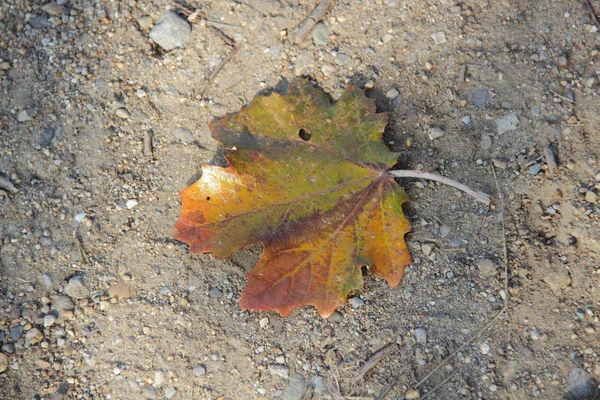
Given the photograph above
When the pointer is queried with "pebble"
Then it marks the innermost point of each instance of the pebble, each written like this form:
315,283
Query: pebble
214,293
171,31
387,38
38,22
119,291
591,81
356,302
439,37
420,335
412,394
23,116
75,288
46,137
486,142
122,113
47,281
507,123
170,392
336,316
320,34
485,348
49,320
580,385
342,59
296,388
33,336
591,197
53,8
318,384
487,269
444,231
145,22
149,393
184,135
131,204
304,61
4,360
534,169
466,119
535,334
283,371
263,322
62,303
481,97
392,93
199,371
80,217
427,248
16,332
435,133
558,281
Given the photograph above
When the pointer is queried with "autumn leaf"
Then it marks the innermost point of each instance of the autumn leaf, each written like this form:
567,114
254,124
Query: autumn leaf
307,178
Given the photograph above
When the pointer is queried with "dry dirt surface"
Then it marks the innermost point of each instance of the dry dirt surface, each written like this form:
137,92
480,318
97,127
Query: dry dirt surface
97,301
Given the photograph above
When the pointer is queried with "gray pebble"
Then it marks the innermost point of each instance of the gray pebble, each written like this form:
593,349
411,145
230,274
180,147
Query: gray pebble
33,337
392,93
184,135
47,281
23,116
199,370
16,332
172,91
53,8
534,169
420,335
296,388
466,120
62,303
46,137
171,31
581,385
507,105
8,348
320,34
304,62
435,133
76,289
486,142
591,197
591,81
214,293
336,317
170,392
149,393
356,302
342,59
318,384
49,320
481,98
283,371
507,123
38,22
122,113
145,22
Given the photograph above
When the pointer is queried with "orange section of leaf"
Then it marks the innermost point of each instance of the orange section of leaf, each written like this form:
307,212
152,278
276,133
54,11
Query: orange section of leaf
307,179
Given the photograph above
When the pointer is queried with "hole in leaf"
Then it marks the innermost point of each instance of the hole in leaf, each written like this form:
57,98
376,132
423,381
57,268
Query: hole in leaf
304,134
207,198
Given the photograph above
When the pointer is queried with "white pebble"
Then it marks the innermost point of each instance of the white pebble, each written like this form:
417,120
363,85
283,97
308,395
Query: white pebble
485,348
131,203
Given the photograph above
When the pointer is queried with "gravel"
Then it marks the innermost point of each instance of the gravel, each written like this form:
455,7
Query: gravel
420,335
581,386
296,388
280,370
320,34
481,98
171,31
507,123
75,288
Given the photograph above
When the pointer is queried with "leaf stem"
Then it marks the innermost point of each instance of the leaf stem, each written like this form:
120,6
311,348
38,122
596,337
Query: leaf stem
406,173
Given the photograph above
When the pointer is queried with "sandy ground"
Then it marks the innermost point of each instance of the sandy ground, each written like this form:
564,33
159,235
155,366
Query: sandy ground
97,301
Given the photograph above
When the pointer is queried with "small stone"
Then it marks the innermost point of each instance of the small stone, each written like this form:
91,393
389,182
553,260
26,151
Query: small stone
318,384
342,59
444,231
534,169
46,281
493,388
507,123
214,293
580,385
62,303
502,164
591,197
484,348
16,332
199,371
283,371
149,393
46,137
34,336
263,322
486,142
439,37
122,113
481,97
420,335
184,135
145,22
466,120
535,334
296,388
43,364
131,204
328,70
435,133
119,291
75,288
23,116
53,8
356,302
336,316
4,362
591,81
487,269
38,22
171,31
558,281
49,320
427,248
80,217
387,38
392,93
159,377
170,392
412,394
320,34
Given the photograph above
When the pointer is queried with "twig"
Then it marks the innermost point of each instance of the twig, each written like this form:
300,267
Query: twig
439,385
312,19
463,72
561,96
82,254
375,358
221,35
592,12
148,144
8,185
550,160
218,68
403,173
504,245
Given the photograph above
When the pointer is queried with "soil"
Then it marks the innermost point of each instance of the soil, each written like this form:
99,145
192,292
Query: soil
83,87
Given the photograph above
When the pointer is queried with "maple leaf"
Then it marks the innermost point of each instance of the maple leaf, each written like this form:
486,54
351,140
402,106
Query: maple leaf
307,178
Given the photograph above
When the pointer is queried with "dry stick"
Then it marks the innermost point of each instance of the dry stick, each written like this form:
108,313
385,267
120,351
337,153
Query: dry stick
82,254
403,173
8,185
221,35
148,144
312,19
375,358
550,160
503,310
438,386
592,12
562,97
219,67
